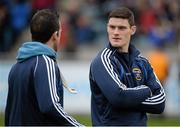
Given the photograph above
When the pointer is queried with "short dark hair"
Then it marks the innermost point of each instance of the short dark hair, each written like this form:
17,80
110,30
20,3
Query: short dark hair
123,13
43,24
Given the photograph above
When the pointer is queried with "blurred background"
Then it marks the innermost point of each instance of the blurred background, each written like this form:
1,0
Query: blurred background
84,34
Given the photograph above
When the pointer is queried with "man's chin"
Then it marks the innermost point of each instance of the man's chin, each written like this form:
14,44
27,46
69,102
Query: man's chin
116,45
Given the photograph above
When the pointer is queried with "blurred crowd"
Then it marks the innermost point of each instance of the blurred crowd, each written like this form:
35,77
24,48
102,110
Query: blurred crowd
84,23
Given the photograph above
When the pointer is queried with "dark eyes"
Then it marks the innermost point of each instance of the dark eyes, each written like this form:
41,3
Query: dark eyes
112,27
118,27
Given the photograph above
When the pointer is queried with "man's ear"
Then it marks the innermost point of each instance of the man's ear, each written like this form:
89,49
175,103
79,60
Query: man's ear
55,35
133,28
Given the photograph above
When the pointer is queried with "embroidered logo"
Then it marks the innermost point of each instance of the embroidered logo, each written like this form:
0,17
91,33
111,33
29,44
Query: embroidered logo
137,72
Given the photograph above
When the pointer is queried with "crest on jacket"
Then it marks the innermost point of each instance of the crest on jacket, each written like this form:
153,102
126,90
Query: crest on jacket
137,73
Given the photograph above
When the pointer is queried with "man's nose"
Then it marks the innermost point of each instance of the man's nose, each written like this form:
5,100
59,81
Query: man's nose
116,31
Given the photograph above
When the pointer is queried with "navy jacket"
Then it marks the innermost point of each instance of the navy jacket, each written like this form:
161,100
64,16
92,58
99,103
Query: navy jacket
35,94
124,88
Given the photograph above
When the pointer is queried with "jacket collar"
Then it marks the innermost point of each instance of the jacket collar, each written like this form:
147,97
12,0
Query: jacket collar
31,49
133,51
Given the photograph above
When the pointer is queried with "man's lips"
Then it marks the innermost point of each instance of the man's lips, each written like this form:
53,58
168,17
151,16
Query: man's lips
116,38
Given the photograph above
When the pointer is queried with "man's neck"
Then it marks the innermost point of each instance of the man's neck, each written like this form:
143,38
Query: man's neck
124,48
121,50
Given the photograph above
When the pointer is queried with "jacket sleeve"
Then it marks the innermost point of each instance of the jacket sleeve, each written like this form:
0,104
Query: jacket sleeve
156,103
104,72
46,90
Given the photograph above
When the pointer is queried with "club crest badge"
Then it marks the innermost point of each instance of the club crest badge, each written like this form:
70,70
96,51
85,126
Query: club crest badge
137,73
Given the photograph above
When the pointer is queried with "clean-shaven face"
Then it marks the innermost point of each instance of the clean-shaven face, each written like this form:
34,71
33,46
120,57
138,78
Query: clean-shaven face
119,33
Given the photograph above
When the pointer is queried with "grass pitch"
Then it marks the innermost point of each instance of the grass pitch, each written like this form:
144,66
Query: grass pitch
153,121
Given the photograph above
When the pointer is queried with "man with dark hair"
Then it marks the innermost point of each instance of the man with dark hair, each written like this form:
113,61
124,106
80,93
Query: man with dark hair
123,85
35,93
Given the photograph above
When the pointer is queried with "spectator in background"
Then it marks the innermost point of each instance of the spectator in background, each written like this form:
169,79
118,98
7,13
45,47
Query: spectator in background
20,12
173,11
65,30
71,12
41,4
160,62
5,28
146,16
84,32
162,33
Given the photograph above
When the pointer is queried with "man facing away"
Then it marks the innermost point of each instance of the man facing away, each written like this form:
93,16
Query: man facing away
35,93
123,85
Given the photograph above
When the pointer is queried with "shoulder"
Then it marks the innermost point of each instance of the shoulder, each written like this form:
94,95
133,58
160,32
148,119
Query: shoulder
103,56
143,62
43,61
143,59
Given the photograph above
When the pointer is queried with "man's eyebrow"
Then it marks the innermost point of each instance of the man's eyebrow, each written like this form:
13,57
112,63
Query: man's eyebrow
120,26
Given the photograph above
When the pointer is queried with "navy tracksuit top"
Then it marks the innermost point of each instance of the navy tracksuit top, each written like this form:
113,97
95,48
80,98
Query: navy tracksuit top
35,93
123,89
